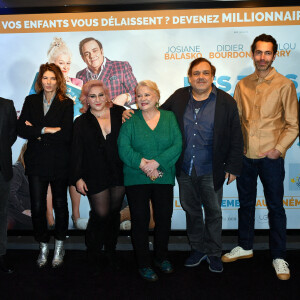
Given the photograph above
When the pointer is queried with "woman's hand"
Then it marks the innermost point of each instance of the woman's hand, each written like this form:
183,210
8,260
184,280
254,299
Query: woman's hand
81,187
27,212
149,166
143,163
47,129
153,175
52,129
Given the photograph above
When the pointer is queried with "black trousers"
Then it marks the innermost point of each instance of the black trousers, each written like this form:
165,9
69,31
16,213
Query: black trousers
162,201
38,196
4,197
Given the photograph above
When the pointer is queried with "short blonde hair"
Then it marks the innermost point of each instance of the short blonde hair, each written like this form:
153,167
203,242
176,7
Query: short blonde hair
150,84
57,48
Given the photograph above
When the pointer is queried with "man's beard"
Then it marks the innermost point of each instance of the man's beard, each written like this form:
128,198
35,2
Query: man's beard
263,68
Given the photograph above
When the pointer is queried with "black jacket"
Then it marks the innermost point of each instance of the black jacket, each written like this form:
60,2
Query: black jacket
227,141
47,155
95,159
8,135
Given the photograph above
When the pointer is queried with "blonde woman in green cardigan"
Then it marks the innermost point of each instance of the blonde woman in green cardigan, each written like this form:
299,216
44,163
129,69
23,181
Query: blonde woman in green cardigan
149,145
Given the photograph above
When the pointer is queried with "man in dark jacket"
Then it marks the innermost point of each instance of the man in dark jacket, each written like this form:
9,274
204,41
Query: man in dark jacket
8,135
212,152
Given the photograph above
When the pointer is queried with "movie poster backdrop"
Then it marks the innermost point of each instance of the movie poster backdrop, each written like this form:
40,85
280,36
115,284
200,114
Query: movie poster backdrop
159,45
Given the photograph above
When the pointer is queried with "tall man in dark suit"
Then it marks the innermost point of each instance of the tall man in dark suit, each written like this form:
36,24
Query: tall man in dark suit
8,135
212,152
116,75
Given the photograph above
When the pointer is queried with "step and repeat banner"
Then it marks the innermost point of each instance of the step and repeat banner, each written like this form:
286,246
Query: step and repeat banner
159,45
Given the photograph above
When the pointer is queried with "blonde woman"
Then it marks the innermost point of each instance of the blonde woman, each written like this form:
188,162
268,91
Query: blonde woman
149,145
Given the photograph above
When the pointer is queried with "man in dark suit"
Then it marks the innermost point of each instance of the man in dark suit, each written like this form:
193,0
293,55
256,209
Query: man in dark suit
212,152
116,75
8,135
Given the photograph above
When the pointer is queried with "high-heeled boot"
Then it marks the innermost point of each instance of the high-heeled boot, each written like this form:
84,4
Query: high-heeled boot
94,240
43,255
112,234
59,253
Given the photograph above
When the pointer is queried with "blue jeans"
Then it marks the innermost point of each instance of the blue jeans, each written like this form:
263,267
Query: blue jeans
195,192
271,173
4,197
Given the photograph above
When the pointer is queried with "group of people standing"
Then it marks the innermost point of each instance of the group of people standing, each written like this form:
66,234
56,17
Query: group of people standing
200,134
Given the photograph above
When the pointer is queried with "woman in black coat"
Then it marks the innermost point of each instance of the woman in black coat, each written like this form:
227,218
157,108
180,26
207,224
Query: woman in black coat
97,170
46,121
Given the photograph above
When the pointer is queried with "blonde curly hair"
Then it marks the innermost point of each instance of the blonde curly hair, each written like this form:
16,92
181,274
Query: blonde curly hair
57,48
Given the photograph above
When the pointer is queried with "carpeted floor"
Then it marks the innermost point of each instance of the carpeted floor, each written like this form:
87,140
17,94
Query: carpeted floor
246,279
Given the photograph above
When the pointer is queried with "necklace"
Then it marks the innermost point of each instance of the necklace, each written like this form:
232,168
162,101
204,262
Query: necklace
98,115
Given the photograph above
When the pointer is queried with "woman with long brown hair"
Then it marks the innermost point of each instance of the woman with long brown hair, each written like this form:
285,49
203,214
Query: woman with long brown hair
46,121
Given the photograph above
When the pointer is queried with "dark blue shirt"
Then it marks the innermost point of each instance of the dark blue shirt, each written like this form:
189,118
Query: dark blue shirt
198,123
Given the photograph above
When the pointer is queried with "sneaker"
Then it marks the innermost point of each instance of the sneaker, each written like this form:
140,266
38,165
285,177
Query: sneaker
237,253
282,269
81,223
165,266
148,274
195,259
125,225
215,264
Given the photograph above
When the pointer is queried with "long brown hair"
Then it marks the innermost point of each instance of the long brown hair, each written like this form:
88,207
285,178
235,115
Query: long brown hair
61,83
21,155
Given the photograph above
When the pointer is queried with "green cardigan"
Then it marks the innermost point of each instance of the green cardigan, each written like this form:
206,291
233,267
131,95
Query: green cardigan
163,144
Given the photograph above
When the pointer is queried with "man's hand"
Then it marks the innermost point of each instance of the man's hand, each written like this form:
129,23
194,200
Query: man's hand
127,115
230,177
81,187
121,99
272,154
27,123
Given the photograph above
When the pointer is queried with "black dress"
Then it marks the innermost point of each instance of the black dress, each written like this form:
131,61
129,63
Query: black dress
94,158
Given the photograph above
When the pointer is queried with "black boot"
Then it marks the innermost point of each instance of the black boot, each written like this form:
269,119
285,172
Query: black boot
4,266
112,234
94,240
